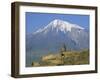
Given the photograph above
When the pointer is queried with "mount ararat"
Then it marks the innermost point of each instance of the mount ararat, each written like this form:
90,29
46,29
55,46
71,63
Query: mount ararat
58,32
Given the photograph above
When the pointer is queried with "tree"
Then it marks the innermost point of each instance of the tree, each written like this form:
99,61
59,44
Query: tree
63,49
64,46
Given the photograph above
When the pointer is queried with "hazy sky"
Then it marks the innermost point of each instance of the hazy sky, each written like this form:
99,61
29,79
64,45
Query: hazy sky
35,21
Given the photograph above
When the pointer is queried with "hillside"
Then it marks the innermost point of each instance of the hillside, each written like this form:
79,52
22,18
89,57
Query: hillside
64,58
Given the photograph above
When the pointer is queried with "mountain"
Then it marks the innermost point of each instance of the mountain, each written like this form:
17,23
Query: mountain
58,25
58,32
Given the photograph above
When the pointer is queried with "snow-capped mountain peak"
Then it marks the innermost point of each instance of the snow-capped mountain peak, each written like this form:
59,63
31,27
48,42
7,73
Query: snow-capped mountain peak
58,32
59,25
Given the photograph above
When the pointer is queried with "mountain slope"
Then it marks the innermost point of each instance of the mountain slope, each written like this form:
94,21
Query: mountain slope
54,35
59,25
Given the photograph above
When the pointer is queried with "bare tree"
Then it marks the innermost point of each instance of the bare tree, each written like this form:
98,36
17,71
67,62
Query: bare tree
63,49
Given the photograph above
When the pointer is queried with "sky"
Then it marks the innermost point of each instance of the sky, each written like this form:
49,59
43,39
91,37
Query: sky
34,21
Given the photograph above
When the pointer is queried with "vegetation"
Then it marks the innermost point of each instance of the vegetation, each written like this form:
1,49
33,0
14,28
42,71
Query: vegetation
64,58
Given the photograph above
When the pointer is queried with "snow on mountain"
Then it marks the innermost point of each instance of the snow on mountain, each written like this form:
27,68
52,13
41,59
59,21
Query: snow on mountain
59,25
54,35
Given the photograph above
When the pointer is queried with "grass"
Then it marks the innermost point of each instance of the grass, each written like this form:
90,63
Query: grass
64,58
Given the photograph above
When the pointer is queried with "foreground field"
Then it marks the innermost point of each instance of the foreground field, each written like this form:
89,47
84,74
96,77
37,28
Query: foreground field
64,58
